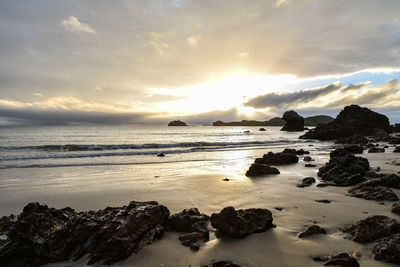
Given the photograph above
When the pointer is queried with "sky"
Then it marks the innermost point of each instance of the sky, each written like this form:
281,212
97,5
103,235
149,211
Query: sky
123,62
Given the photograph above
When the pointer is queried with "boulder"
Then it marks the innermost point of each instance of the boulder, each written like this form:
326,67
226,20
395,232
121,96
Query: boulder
345,171
306,182
388,249
240,223
44,235
257,169
262,130
177,123
343,151
188,221
351,120
312,230
373,190
341,259
294,122
373,228
307,159
390,180
281,158
396,208
397,149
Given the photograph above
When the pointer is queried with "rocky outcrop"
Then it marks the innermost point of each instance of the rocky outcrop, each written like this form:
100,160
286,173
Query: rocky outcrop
396,208
240,223
388,249
257,169
188,221
43,235
342,259
312,230
351,120
343,151
282,158
345,171
373,228
390,180
373,190
177,123
294,122
306,182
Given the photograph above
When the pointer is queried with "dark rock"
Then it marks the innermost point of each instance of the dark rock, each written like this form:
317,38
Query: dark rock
351,120
278,208
323,201
161,155
324,184
376,150
312,230
372,190
396,128
44,235
390,180
294,122
225,179
388,249
241,223
262,130
306,182
396,208
308,165
354,139
281,158
295,152
343,151
195,246
189,221
257,169
397,149
221,264
372,174
191,240
177,123
345,171
385,146
373,228
341,259
307,158
380,135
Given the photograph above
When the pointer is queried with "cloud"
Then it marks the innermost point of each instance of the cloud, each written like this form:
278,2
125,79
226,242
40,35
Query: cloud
243,55
281,3
193,40
72,24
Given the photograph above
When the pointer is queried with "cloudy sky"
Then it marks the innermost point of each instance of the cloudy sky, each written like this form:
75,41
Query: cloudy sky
197,60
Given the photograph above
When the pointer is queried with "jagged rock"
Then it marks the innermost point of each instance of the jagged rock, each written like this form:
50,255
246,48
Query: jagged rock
354,139
376,150
221,264
240,223
390,180
281,158
396,208
43,235
341,259
177,123
189,221
343,151
351,120
388,249
397,149
373,228
294,122
306,182
345,171
373,190
257,169
312,230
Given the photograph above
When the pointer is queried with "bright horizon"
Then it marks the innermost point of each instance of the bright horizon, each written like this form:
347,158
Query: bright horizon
153,61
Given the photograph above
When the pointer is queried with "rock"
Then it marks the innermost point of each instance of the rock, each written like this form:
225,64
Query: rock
262,130
161,155
351,120
281,158
388,249
345,171
225,179
376,150
221,264
257,169
44,235
310,165
341,259
294,122
373,190
343,151
278,208
312,230
380,135
326,201
397,149
373,228
396,128
189,221
191,240
354,139
195,246
177,123
396,208
241,223
307,158
306,182
390,180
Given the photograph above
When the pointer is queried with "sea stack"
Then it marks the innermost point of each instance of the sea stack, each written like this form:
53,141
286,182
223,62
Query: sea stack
294,122
177,123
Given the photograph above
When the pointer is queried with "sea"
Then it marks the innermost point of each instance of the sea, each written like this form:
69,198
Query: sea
89,165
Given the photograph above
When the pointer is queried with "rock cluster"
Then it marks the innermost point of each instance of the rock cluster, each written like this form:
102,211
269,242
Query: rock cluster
373,189
388,249
351,120
341,259
294,122
281,158
343,151
188,221
43,235
240,223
